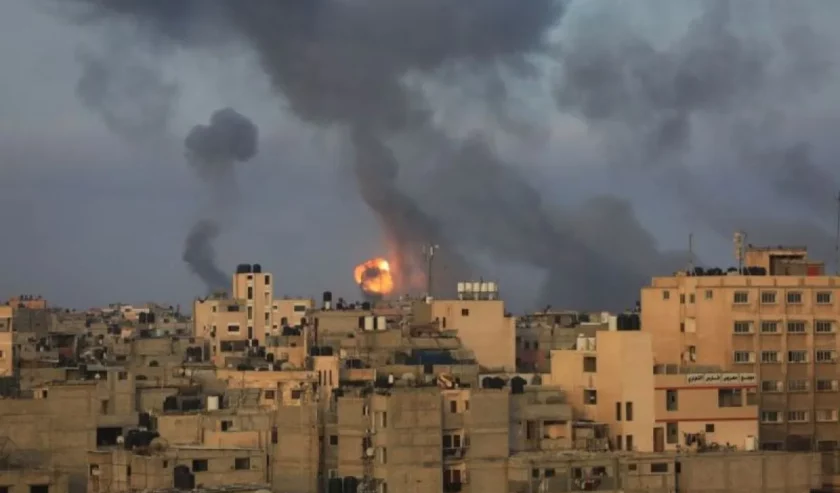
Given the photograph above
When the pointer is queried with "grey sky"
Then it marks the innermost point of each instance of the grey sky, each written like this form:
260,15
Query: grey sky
97,217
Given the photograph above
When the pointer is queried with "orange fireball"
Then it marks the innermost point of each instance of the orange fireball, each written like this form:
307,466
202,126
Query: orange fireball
374,276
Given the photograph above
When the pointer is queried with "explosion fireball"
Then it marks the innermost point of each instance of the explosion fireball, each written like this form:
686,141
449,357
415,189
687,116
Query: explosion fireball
374,277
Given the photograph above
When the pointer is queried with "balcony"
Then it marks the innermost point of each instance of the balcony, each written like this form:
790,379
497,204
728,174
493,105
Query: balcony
454,453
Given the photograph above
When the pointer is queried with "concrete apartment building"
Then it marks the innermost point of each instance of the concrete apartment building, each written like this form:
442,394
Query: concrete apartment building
777,321
612,379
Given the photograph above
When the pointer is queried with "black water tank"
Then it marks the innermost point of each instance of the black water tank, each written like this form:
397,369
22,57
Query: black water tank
351,484
335,486
170,403
183,479
269,357
327,296
144,420
366,306
517,385
257,268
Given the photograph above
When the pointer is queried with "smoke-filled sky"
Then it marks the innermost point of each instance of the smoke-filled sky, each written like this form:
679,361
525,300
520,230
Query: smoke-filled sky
566,149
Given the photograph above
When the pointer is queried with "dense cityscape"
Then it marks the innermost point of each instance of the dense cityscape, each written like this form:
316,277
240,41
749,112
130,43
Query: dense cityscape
719,380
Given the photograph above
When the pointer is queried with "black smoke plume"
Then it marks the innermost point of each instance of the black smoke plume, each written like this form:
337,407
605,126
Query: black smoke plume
342,63
213,150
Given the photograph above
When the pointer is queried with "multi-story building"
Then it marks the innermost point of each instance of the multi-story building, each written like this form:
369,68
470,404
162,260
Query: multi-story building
7,343
776,319
612,379
256,288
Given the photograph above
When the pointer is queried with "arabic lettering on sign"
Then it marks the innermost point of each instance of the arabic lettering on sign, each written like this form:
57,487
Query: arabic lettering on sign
720,378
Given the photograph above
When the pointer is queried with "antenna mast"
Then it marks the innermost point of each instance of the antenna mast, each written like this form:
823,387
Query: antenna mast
429,253
740,236
690,253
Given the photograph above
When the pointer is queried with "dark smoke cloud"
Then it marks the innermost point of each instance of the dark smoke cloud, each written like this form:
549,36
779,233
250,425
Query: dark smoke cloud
343,63
200,255
213,151
128,93
653,103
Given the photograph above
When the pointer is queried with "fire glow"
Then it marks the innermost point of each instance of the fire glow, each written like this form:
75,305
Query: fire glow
374,277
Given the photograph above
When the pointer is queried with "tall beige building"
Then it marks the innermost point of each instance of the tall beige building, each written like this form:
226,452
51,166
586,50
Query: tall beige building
256,288
779,323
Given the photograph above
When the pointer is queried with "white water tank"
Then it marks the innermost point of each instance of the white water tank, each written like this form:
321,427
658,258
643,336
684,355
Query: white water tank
381,323
750,443
460,287
212,402
368,323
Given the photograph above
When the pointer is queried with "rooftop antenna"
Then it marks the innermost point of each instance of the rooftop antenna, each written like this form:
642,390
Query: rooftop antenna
740,236
837,241
429,253
690,253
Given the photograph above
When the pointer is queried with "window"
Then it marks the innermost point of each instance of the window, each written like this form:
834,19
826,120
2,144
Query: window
826,415
250,313
671,403
771,417
768,297
770,357
752,397
267,279
333,439
590,364
710,428
691,298
824,298
453,406
41,488
826,385
797,385
743,357
797,416
225,425
730,398
619,442
826,445
768,327
465,312
826,356
796,327
709,294
823,326
233,328
629,442
666,295
590,396
242,463
269,395
682,299
618,411
382,419
275,435
742,327
628,411
103,406
794,298
199,465
797,356
771,386
741,297
659,467
383,455
250,293
672,433
123,375
299,308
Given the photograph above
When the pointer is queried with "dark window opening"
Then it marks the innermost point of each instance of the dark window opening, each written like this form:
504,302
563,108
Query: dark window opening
465,312
199,465
242,463
659,467
39,488
107,436
333,439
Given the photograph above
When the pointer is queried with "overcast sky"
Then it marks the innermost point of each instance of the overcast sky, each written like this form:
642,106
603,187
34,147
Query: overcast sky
92,216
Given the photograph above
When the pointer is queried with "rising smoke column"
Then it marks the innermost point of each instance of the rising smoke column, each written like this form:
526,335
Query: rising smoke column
212,151
343,63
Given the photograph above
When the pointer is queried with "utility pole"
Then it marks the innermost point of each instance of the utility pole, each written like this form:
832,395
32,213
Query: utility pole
429,253
690,254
